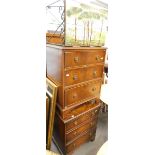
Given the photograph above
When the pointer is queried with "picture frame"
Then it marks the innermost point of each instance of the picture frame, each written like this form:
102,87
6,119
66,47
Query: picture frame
77,23
51,93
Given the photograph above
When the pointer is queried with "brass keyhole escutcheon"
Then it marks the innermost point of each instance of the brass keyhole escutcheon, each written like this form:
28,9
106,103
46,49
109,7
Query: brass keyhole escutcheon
76,59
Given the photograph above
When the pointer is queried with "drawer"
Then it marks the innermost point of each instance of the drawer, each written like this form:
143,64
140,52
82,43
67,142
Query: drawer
84,57
77,121
75,76
70,113
73,134
85,138
82,93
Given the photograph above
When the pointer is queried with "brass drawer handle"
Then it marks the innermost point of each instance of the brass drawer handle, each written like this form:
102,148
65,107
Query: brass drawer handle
76,59
93,89
96,111
75,77
94,73
75,122
97,58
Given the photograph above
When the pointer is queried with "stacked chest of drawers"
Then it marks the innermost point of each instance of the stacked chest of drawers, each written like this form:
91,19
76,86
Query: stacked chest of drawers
79,73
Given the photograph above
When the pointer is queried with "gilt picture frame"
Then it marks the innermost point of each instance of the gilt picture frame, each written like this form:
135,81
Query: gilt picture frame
51,92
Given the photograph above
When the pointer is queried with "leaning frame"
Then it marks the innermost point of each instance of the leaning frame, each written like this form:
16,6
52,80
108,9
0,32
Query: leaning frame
52,94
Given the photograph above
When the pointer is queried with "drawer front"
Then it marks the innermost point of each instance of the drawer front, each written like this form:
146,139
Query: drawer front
90,115
82,92
79,109
70,136
84,57
83,74
85,138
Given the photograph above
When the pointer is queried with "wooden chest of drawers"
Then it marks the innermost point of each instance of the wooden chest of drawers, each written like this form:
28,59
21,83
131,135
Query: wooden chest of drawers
79,72
68,132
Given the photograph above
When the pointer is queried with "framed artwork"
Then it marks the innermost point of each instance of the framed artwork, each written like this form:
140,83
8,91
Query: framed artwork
51,93
77,22
86,22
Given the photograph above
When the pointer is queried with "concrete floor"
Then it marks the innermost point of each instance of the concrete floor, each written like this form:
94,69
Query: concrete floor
91,148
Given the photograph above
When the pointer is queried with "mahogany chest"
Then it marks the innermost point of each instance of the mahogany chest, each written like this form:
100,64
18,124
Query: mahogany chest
79,73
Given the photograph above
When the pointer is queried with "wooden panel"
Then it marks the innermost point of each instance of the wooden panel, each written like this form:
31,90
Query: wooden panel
54,69
75,76
54,38
77,121
54,63
84,127
84,57
82,93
